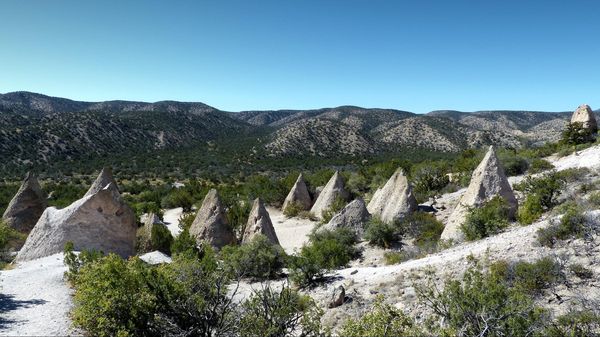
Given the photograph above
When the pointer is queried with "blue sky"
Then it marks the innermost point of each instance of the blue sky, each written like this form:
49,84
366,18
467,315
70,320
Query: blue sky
241,55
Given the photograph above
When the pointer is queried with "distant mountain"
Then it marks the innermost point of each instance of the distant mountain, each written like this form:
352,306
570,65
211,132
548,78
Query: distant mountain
41,130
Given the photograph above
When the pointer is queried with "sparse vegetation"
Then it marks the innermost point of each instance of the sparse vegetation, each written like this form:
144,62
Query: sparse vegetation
572,224
486,220
383,234
258,259
383,320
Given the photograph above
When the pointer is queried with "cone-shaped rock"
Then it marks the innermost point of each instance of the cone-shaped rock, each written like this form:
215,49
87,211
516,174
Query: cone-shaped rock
332,191
26,206
101,221
105,178
146,235
394,200
298,195
585,116
259,222
488,181
210,224
354,216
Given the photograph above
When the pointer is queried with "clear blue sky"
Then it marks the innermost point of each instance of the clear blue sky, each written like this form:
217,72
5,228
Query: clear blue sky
240,55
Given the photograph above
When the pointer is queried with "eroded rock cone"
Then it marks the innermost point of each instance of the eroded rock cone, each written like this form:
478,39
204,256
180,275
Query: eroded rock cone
105,178
488,181
210,224
585,116
332,191
101,221
395,200
26,206
354,216
259,222
298,195
146,234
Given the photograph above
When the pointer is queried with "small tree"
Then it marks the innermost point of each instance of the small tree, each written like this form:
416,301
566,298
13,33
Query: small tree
576,133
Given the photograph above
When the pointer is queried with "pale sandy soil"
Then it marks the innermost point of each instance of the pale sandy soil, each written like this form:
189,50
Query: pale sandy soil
171,220
291,232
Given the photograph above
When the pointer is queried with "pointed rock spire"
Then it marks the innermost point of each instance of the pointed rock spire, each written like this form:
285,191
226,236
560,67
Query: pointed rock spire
298,195
259,222
101,221
26,206
333,190
210,224
354,216
105,178
395,200
146,234
585,116
488,180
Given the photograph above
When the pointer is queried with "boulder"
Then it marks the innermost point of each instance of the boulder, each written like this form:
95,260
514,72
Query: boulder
395,200
259,222
585,116
210,224
26,207
332,191
354,216
488,181
105,178
100,221
337,297
298,195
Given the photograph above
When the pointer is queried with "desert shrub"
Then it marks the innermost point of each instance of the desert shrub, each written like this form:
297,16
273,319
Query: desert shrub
258,259
390,258
547,187
185,244
237,215
335,207
293,209
382,234
10,240
594,199
575,134
574,323
538,165
428,179
533,277
382,320
160,239
486,220
424,228
531,210
326,250
482,304
74,262
572,224
572,174
112,298
514,165
177,198
580,271
285,312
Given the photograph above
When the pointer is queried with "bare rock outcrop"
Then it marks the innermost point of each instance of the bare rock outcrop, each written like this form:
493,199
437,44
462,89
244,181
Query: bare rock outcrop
26,206
354,216
105,178
395,200
585,116
100,221
298,195
488,181
259,222
210,224
333,190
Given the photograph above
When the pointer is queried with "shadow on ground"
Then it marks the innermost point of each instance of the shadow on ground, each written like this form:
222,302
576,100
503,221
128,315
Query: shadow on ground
8,304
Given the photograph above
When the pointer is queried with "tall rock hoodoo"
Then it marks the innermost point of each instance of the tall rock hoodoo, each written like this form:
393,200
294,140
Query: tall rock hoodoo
259,222
298,195
26,206
332,191
210,224
488,181
100,221
105,178
354,217
585,116
395,200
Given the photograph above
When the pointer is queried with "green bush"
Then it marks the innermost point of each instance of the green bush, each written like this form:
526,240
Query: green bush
580,271
514,165
177,198
424,228
382,234
533,277
272,313
10,240
428,179
538,165
258,259
74,262
576,134
531,210
572,224
159,239
326,250
337,206
547,187
486,220
390,258
594,199
293,209
382,320
574,323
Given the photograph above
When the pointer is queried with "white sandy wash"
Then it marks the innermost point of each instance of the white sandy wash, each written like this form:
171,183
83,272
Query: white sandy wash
171,220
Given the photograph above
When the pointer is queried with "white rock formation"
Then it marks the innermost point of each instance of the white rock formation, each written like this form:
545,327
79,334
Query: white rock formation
354,216
332,191
488,181
210,224
585,115
26,206
395,200
259,222
298,195
105,178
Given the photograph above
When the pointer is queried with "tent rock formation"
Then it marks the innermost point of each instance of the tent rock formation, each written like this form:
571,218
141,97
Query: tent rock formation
105,178
298,195
26,206
210,224
354,216
585,116
488,181
395,200
259,222
332,191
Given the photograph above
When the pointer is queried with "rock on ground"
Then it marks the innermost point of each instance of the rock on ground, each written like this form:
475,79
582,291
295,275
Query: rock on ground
585,116
354,216
395,200
26,206
333,190
210,224
259,222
